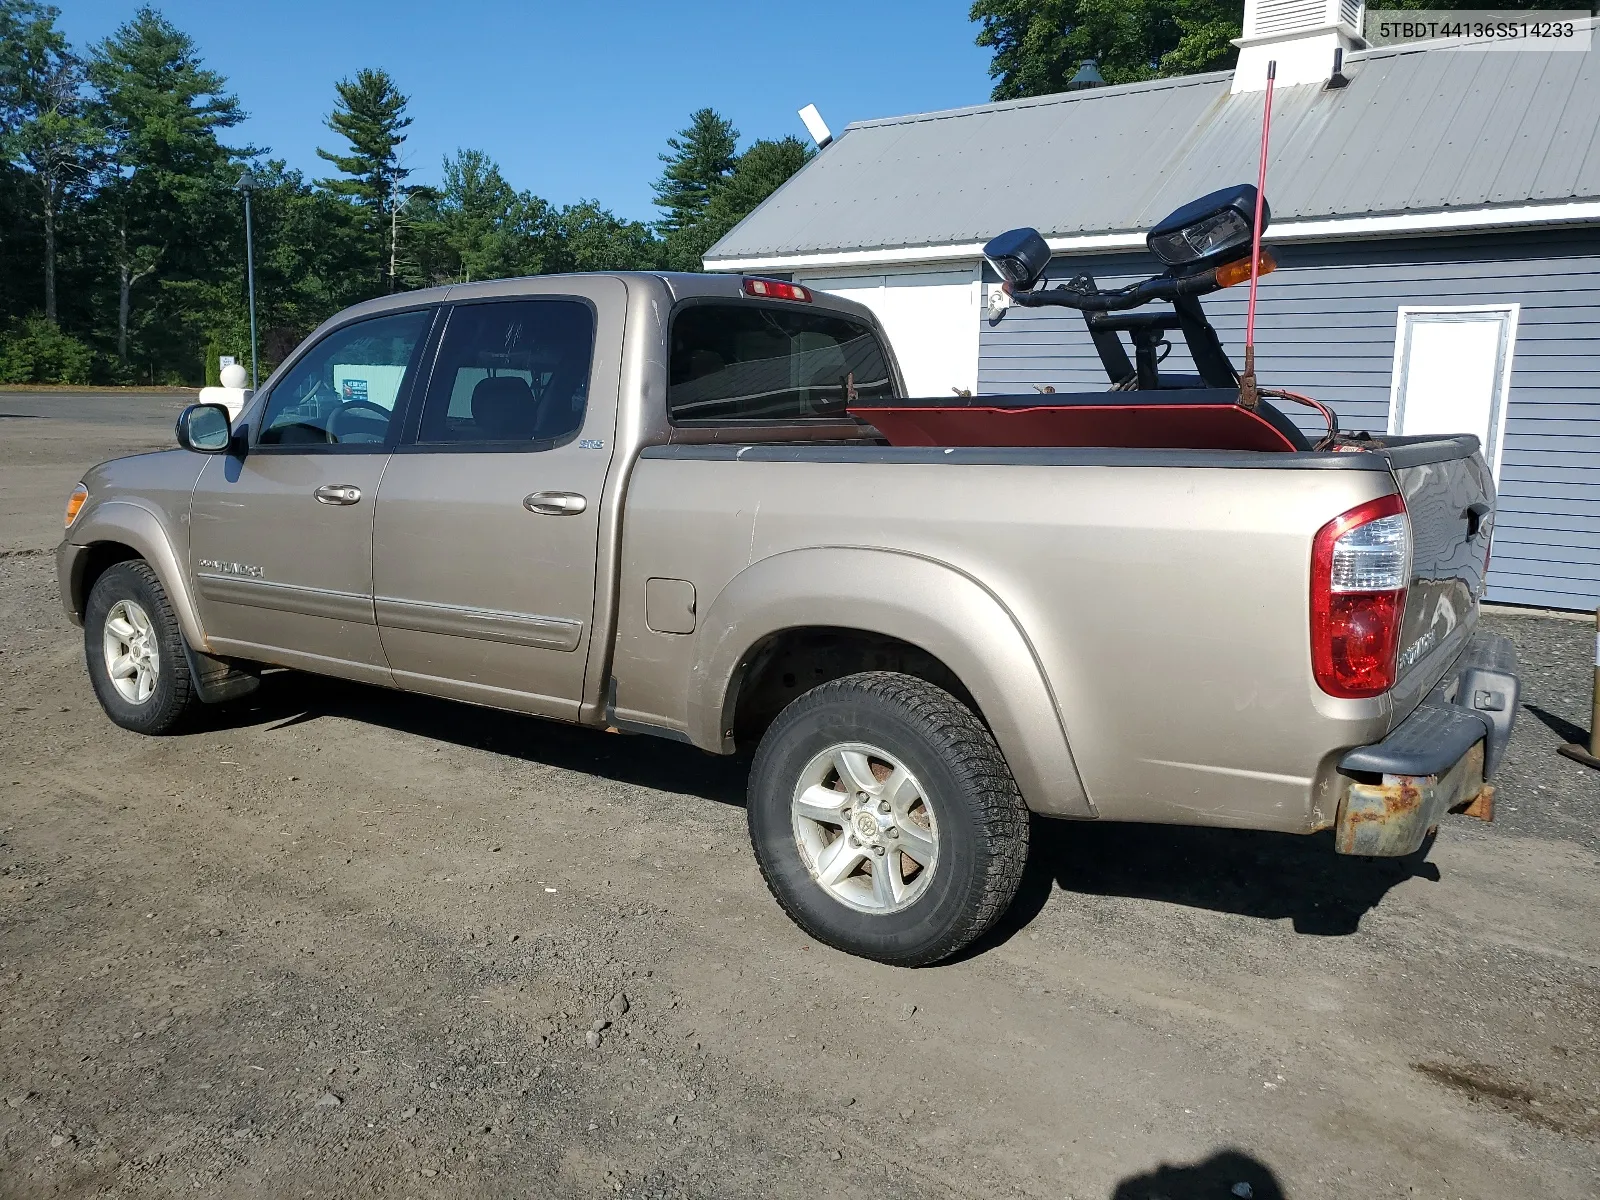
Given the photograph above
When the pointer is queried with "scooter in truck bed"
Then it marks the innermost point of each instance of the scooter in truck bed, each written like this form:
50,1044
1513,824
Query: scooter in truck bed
1206,245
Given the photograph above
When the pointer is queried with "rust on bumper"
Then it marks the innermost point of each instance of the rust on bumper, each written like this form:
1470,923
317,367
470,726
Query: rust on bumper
1390,818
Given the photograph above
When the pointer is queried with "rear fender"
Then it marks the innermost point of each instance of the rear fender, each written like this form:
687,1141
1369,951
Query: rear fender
917,600
141,530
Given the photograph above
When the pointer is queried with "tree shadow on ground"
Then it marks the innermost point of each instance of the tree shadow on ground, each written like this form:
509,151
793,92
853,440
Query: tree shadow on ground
287,698
1226,1174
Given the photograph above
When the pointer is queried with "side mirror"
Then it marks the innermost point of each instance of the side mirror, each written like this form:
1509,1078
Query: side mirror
205,429
1211,230
1019,256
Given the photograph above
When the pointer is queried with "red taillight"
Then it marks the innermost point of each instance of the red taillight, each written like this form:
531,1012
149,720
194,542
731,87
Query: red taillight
1360,563
776,289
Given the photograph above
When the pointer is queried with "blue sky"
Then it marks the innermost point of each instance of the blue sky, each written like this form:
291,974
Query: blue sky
573,100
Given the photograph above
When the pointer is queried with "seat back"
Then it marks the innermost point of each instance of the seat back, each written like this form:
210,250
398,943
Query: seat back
503,409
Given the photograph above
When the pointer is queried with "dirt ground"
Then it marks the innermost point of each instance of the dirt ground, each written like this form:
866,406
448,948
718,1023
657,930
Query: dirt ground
342,942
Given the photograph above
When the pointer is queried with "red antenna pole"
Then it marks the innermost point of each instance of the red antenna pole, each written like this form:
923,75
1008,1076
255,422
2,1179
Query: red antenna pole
1247,381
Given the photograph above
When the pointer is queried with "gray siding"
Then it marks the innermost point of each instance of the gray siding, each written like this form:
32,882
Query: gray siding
1326,325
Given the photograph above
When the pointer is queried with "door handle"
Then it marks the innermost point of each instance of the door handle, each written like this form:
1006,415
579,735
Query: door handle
338,493
555,504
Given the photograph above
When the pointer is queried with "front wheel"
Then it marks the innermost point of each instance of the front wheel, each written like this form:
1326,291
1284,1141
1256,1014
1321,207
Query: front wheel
135,651
885,820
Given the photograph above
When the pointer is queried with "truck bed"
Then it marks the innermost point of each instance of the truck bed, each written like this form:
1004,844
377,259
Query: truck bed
1167,608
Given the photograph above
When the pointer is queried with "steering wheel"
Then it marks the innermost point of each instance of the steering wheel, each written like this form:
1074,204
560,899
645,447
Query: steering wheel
337,417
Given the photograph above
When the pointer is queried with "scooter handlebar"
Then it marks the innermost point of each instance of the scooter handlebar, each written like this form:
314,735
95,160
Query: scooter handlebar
1161,287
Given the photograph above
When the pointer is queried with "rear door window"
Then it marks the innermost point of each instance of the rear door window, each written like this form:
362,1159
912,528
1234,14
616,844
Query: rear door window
512,373
757,362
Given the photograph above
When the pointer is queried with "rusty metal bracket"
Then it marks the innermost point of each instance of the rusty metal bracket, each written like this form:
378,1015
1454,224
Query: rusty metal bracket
1390,818
1480,807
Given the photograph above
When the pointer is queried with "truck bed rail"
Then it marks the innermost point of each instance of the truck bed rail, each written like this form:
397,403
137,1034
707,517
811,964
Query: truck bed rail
1388,455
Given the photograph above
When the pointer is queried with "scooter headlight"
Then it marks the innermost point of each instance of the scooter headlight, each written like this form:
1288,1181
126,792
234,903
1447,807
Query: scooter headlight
1213,229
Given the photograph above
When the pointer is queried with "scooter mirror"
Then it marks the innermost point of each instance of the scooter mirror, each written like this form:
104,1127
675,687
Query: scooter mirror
1018,256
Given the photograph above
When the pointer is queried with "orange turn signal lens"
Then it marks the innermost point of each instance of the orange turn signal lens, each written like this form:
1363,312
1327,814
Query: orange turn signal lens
75,503
1229,274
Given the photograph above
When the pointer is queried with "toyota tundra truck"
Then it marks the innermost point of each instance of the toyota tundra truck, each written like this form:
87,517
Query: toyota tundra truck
640,502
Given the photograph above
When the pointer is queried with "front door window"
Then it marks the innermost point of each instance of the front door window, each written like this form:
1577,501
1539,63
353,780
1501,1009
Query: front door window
344,392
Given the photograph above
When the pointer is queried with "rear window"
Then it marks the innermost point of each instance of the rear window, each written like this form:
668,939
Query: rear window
755,362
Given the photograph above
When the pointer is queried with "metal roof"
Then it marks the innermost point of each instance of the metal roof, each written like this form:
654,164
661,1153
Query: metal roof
1419,128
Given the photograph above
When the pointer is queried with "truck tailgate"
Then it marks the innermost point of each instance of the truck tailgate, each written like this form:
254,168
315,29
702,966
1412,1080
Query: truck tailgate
1449,495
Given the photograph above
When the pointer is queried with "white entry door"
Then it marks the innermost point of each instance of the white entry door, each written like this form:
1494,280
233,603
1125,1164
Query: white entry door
1452,373
931,318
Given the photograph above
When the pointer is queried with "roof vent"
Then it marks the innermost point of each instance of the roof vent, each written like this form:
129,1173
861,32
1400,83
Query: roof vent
1301,35
1087,76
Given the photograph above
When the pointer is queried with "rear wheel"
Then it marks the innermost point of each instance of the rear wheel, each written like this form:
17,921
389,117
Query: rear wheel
135,651
885,820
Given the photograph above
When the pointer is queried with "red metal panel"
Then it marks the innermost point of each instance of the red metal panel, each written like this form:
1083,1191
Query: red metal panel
1149,426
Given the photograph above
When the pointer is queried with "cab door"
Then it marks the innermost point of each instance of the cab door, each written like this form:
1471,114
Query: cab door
280,539
485,542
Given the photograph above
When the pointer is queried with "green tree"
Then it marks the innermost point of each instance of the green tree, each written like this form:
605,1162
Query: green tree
165,204
701,157
1039,45
708,186
36,351
586,237
763,168
478,227
370,114
47,133
308,267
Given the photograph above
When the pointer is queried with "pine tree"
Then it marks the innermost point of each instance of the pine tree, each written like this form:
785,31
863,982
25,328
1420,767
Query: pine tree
370,114
165,203
702,157
761,170
482,227
45,129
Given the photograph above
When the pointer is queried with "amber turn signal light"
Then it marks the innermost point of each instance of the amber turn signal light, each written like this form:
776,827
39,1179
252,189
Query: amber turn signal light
75,503
1229,274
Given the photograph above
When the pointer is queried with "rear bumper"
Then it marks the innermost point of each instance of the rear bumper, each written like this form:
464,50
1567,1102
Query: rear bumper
1439,758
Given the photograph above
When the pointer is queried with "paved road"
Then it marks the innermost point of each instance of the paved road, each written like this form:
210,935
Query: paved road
48,438
342,942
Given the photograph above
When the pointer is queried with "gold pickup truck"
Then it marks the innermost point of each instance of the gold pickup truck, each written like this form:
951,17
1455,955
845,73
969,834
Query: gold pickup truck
638,501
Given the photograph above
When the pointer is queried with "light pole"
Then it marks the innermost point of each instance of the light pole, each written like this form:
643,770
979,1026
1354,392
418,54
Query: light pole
246,182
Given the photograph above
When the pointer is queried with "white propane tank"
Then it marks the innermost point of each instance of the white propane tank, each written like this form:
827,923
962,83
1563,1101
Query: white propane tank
233,394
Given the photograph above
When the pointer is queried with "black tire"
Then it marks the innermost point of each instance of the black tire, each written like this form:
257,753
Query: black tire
173,698
981,820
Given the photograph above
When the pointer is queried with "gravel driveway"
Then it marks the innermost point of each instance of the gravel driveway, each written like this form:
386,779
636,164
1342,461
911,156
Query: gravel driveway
342,942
